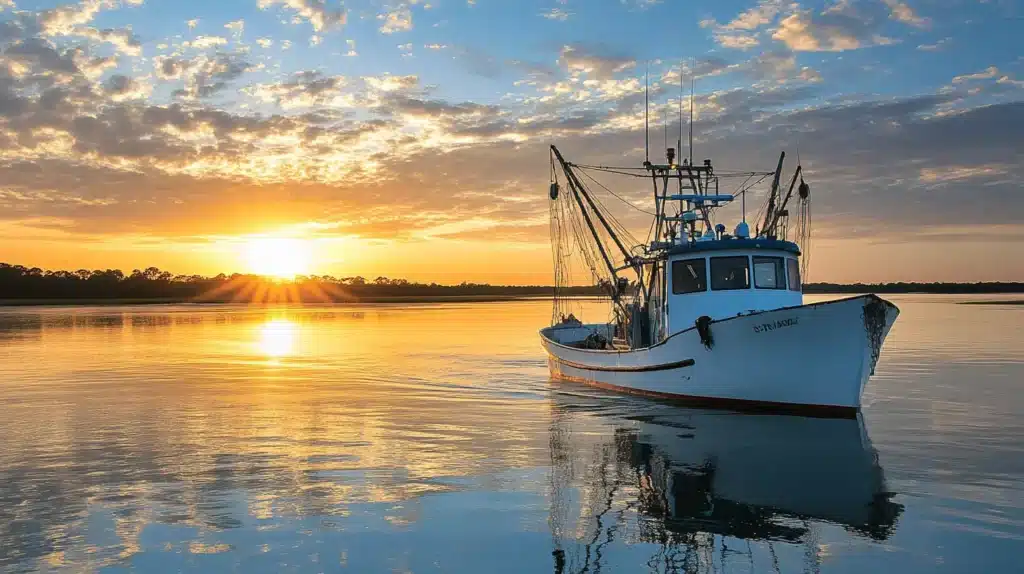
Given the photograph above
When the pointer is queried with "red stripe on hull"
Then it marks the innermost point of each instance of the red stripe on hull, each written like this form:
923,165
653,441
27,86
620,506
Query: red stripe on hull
824,411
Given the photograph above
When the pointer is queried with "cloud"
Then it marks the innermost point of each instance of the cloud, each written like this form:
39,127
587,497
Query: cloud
557,14
237,27
205,42
397,20
43,56
207,75
306,89
986,74
842,26
169,68
943,174
901,12
122,38
1008,81
389,83
593,61
737,41
742,31
63,20
640,4
119,88
934,46
315,12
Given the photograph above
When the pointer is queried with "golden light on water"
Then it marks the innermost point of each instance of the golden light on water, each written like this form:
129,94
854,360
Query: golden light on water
277,338
280,257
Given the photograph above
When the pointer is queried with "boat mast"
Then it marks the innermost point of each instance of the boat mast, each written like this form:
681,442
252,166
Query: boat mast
770,212
781,211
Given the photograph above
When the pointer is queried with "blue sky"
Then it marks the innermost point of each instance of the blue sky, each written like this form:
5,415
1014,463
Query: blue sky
138,131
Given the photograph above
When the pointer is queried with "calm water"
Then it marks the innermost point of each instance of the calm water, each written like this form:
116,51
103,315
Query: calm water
430,439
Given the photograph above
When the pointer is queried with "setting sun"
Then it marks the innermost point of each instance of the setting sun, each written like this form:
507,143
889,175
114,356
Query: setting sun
280,257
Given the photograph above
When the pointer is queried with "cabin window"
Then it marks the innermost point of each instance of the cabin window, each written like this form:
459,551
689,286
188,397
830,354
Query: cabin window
730,273
794,274
689,276
769,273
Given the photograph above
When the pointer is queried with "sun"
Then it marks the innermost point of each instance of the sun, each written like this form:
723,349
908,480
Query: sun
280,257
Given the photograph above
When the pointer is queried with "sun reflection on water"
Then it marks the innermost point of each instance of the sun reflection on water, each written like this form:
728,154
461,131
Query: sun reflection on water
277,338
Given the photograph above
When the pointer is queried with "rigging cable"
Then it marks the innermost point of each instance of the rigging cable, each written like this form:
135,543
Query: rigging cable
617,196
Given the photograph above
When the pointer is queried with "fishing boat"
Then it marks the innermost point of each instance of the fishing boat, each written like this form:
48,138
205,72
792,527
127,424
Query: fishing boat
700,314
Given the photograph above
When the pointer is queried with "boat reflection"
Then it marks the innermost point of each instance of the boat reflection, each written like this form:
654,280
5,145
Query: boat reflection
696,481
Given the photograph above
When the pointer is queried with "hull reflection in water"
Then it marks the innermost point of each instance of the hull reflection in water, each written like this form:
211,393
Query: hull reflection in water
696,482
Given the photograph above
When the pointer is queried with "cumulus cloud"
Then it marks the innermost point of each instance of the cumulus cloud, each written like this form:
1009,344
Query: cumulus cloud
389,83
742,31
120,87
595,61
901,12
169,68
207,75
397,20
122,38
842,26
316,12
305,89
63,20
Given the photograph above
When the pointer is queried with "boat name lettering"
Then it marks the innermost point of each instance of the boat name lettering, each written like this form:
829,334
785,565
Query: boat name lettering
764,327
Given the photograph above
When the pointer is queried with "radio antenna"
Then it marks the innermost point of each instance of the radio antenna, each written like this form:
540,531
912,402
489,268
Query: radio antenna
679,142
664,122
692,82
647,113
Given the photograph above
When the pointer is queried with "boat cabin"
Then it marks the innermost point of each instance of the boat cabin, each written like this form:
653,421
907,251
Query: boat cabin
722,278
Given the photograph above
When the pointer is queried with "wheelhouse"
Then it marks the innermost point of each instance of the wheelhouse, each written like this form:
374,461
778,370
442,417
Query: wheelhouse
728,277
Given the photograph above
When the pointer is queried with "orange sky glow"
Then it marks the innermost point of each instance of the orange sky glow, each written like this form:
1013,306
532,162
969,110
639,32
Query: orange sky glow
291,138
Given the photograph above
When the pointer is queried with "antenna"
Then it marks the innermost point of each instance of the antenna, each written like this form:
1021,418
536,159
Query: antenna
664,123
647,112
679,142
692,82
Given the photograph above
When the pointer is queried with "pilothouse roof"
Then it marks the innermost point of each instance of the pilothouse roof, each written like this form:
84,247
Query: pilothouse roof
734,244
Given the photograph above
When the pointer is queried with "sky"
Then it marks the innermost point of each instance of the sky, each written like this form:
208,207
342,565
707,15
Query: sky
410,138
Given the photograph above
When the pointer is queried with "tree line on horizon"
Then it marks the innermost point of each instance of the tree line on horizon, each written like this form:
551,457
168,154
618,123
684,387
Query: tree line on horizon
19,282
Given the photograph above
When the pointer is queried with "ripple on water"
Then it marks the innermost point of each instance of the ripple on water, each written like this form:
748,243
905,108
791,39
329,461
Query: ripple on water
418,438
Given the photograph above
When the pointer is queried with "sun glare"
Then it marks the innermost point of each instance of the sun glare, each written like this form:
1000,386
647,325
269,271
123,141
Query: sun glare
277,338
280,257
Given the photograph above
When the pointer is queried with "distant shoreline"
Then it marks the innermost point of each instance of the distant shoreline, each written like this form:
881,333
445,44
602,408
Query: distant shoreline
411,299
106,302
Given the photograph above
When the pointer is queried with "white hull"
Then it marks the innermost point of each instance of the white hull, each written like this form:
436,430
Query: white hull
816,356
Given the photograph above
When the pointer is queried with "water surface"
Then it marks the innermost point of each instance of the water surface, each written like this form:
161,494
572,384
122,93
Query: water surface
428,438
